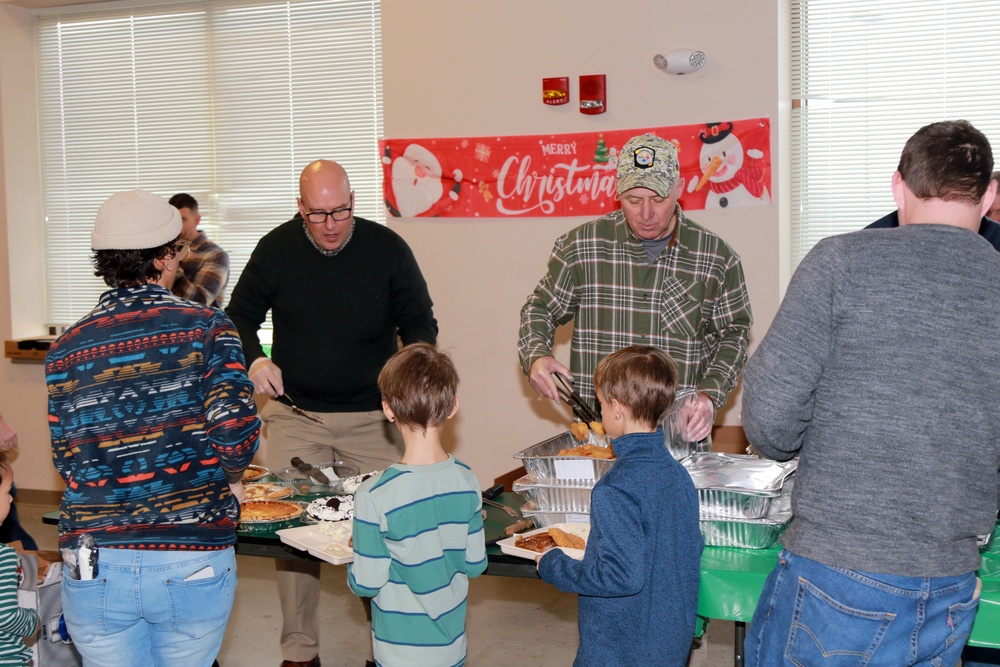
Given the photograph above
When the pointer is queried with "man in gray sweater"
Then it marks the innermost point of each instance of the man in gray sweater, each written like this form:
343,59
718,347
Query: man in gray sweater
881,372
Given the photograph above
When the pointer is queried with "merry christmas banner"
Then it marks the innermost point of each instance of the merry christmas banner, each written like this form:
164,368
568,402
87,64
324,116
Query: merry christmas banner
724,165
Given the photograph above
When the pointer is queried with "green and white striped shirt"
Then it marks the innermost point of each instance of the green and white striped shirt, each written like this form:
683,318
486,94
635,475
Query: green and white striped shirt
418,537
15,621
691,301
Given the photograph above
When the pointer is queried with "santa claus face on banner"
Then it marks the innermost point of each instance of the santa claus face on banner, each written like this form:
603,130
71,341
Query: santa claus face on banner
416,181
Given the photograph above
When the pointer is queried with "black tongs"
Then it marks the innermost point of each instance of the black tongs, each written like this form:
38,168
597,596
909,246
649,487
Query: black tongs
583,412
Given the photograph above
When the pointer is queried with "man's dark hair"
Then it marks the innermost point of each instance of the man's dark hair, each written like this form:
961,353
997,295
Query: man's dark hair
131,268
950,160
183,200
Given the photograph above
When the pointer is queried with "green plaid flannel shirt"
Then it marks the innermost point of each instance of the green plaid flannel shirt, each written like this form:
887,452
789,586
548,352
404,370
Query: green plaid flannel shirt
691,301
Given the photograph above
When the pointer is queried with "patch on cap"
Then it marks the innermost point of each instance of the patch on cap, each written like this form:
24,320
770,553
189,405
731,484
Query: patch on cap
644,157
653,165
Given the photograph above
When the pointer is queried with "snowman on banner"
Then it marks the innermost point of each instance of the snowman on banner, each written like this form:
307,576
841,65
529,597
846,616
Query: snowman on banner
730,182
418,184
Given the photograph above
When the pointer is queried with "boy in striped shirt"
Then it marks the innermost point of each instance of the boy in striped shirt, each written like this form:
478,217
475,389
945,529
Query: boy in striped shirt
418,527
15,621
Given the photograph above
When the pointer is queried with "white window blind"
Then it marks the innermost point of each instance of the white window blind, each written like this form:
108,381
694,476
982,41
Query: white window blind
225,100
866,76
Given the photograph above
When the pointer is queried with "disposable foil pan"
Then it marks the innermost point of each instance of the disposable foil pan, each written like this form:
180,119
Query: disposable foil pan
554,497
735,486
545,466
745,534
544,519
717,470
726,504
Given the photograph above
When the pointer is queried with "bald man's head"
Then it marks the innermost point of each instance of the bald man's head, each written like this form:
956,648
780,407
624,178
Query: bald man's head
325,197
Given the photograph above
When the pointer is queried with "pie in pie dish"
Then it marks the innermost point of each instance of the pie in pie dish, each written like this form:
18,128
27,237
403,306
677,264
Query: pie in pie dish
260,511
267,491
254,472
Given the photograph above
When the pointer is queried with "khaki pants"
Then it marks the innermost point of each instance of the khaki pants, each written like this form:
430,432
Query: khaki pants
363,439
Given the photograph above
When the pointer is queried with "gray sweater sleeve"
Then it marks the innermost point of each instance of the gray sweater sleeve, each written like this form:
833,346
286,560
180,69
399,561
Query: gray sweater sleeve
783,374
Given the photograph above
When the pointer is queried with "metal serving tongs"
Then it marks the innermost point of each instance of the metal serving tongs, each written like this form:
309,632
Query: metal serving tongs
494,491
583,412
297,410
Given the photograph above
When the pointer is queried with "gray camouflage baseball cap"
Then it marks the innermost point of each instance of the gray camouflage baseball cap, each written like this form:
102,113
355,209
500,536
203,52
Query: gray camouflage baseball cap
647,161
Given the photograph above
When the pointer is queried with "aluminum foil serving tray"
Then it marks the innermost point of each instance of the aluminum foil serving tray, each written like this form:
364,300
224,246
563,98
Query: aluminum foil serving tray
554,497
545,518
545,466
736,486
745,533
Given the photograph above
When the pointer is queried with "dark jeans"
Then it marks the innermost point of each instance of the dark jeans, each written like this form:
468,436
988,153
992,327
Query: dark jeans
11,529
976,656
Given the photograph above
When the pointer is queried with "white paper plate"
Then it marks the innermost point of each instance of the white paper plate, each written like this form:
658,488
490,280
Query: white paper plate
312,539
579,529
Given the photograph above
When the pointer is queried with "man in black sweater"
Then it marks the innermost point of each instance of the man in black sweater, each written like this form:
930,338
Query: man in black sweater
342,291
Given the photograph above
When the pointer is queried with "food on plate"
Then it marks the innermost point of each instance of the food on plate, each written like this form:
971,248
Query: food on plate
593,451
267,491
332,508
554,537
339,549
253,473
580,431
598,428
539,542
351,484
337,530
564,539
269,510
339,533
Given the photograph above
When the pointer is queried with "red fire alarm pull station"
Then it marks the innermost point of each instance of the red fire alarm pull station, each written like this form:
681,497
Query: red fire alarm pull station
555,91
593,94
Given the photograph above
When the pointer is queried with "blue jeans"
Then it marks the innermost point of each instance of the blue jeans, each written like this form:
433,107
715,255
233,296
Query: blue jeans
813,614
151,608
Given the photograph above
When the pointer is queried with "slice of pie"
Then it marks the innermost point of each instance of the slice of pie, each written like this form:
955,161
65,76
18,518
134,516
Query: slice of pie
259,511
267,491
254,472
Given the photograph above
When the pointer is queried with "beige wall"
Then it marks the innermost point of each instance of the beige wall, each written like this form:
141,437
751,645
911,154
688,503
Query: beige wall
470,69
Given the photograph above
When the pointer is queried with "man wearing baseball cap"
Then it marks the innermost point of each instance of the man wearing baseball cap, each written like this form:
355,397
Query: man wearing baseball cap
153,422
645,274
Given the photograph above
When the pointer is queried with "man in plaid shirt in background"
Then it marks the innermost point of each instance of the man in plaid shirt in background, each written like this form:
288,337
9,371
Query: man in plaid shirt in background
204,269
645,274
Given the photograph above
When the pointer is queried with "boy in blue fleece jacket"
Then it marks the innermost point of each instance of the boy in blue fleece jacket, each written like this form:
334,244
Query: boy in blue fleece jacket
638,580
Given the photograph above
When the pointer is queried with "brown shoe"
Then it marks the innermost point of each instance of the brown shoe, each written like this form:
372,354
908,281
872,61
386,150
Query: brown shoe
304,663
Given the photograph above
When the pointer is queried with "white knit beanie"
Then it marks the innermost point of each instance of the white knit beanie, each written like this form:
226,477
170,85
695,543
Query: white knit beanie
135,220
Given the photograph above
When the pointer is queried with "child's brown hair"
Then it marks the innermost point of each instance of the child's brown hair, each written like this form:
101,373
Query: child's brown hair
640,377
419,385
